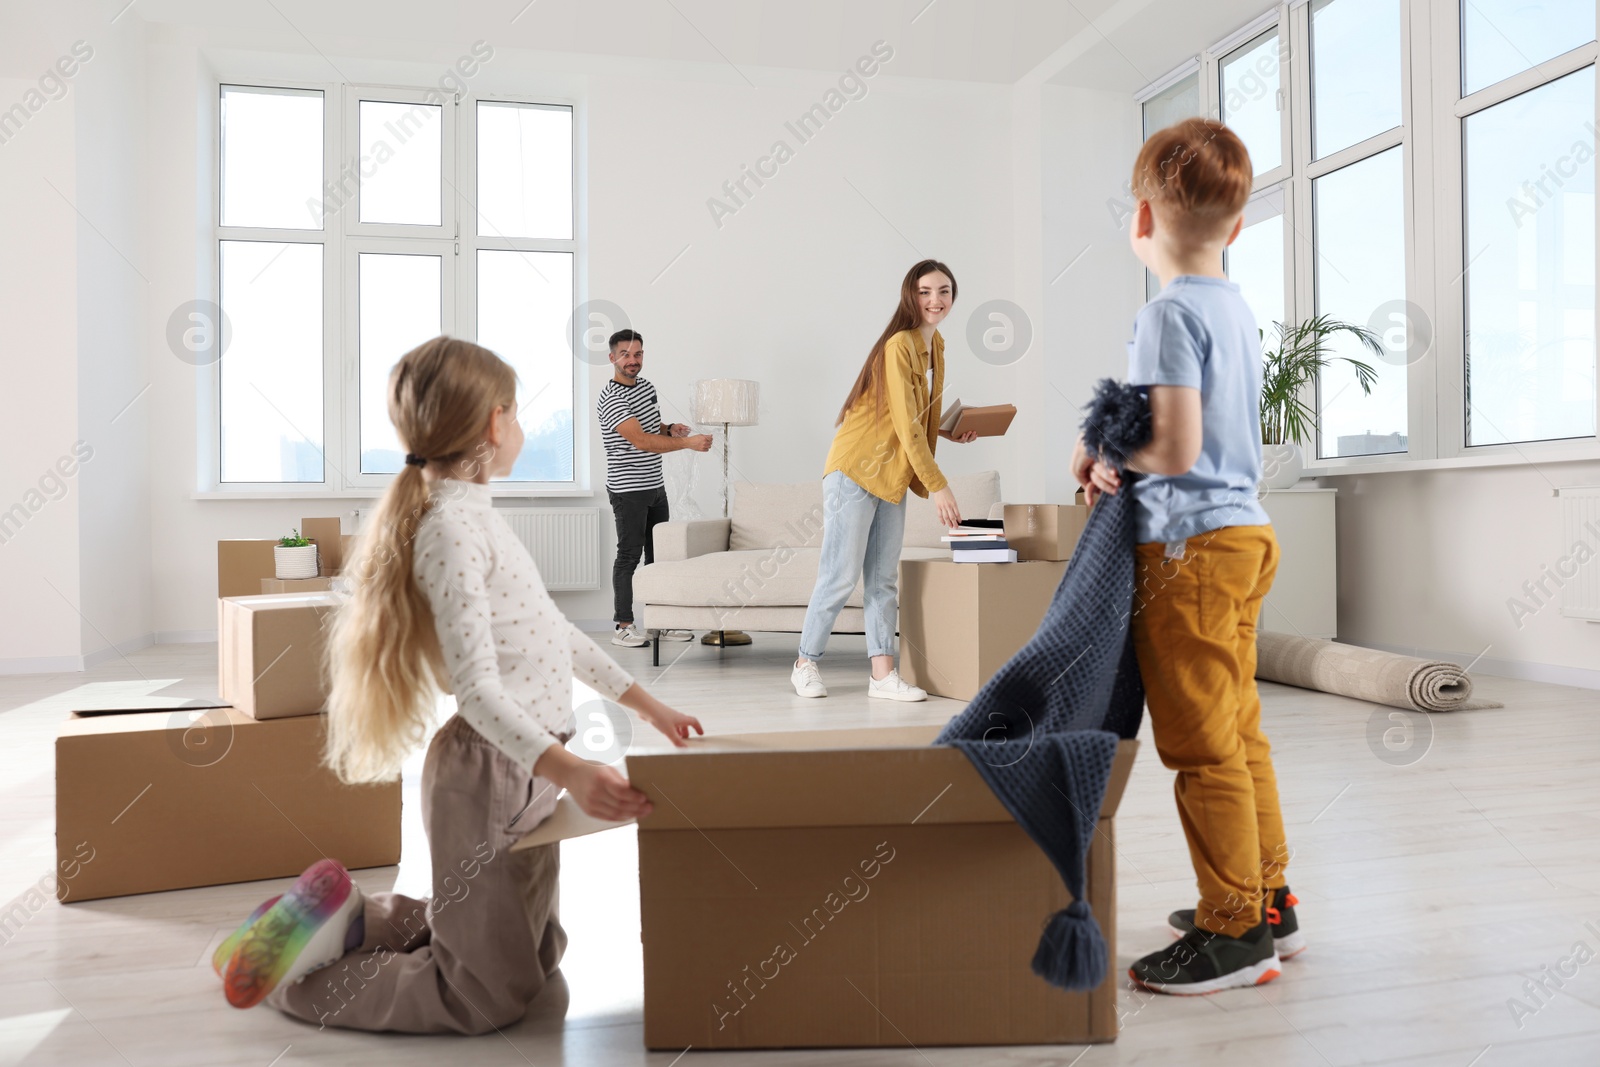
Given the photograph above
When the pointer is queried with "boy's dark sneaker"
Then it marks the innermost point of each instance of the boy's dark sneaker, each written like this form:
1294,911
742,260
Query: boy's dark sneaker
1201,962
1286,935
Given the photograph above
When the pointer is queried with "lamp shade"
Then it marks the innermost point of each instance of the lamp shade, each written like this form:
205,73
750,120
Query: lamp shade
733,401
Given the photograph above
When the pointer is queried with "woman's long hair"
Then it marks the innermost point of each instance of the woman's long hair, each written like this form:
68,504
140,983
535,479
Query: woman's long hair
383,659
906,317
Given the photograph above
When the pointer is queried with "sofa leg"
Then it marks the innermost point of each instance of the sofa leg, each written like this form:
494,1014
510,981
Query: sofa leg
655,650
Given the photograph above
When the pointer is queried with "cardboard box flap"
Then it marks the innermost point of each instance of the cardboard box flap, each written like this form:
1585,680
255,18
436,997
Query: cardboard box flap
566,822
156,703
732,789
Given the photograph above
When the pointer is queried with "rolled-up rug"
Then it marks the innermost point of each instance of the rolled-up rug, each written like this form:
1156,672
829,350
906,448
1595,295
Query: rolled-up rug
1365,673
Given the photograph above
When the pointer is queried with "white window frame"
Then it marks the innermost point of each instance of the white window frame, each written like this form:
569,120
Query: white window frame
1430,135
343,236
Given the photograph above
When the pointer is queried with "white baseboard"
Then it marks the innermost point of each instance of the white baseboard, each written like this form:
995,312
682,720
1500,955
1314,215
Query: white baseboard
1549,673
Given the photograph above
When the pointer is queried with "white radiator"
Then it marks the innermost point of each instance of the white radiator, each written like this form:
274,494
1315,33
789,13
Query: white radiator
1580,544
564,543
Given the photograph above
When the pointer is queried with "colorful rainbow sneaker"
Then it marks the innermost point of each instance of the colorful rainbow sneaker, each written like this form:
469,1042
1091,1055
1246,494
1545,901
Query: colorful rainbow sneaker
317,921
220,958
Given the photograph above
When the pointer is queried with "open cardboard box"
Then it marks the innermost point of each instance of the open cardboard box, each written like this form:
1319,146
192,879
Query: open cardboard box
182,797
848,888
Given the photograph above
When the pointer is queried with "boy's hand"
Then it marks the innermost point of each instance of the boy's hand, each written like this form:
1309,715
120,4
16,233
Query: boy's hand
603,793
674,724
1103,478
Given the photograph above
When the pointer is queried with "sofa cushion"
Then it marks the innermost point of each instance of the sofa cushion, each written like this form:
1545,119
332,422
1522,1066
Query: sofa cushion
767,577
767,515
975,494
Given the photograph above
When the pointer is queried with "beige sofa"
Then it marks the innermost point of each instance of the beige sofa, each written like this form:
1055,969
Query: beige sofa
756,570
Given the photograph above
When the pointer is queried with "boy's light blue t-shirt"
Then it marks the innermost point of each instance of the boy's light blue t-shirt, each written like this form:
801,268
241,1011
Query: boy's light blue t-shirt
1199,332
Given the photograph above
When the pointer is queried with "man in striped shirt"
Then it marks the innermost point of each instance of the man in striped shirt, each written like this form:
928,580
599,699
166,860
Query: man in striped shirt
635,438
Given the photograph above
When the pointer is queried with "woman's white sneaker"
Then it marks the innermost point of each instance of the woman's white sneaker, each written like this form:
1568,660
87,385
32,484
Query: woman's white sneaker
807,680
893,687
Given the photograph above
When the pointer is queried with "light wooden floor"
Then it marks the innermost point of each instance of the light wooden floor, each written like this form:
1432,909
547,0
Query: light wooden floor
1429,891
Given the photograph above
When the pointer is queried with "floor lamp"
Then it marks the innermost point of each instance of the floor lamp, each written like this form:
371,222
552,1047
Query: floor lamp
726,402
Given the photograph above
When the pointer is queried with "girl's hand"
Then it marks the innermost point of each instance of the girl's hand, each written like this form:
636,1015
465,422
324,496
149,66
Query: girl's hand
675,724
603,793
944,502
1103,478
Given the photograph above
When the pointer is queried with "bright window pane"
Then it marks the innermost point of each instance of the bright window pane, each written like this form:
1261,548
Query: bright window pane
399,297
1180,100
1255,261
524,304
400,161
271,373
1360,265
524,171
1530,243
1500,38
1355,71
1250,100
271,157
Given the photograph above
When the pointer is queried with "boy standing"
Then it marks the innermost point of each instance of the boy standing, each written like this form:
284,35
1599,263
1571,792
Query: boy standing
1205,559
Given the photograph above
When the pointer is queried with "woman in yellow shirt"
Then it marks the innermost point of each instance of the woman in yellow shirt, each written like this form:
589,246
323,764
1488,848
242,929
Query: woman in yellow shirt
883,446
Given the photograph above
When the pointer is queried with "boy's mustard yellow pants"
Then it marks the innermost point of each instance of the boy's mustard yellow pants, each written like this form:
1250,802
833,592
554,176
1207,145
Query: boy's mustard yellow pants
1194,627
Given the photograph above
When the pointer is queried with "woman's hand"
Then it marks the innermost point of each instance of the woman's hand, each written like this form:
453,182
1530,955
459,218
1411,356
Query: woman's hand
944,502
603,793
965,439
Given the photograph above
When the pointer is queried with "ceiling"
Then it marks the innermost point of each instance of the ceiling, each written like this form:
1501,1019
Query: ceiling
1118,45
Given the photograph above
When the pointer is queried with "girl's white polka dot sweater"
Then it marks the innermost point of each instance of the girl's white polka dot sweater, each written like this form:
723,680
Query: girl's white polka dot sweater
510,651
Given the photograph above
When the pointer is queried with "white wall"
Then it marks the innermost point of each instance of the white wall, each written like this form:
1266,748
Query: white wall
1428,561
113,412
39,412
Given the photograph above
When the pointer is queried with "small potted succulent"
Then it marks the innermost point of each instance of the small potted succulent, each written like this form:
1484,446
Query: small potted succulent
294,557
1300,355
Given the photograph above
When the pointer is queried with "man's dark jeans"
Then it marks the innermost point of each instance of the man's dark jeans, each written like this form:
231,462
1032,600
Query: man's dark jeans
636,515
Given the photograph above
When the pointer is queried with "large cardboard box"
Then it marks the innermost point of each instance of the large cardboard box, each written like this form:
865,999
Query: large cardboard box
848,888
1044,531
156,800
243,562
269,653
960,622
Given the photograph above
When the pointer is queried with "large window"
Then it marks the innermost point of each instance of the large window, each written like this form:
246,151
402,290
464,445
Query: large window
355,223
1426,173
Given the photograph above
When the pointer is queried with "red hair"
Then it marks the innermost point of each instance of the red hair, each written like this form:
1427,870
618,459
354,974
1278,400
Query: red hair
1197,176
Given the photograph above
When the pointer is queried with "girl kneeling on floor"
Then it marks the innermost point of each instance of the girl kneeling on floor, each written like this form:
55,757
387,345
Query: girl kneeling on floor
445,597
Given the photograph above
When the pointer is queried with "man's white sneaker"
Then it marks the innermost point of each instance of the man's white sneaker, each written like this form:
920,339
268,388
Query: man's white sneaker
807,680
893,687
672,635
629,636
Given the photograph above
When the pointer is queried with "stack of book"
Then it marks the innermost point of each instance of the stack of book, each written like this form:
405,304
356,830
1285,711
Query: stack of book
980,541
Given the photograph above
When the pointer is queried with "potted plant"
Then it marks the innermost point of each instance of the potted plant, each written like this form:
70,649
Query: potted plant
1301,352
294,557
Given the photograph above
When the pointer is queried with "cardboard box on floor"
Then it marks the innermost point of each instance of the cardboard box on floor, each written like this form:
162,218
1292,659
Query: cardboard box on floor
269,653
960,622
848,888
1044,531
176,798
243,563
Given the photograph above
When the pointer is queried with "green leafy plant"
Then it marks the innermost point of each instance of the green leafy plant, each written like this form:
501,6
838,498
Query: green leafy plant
293,540
1301,352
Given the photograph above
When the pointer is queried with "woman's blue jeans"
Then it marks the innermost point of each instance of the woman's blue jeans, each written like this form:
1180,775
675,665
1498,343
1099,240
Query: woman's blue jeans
861,537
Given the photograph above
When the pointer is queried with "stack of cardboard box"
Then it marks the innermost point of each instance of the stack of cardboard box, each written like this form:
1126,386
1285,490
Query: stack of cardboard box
231,790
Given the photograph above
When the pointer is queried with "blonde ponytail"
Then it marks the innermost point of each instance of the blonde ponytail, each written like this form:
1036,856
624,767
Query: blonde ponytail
383,659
